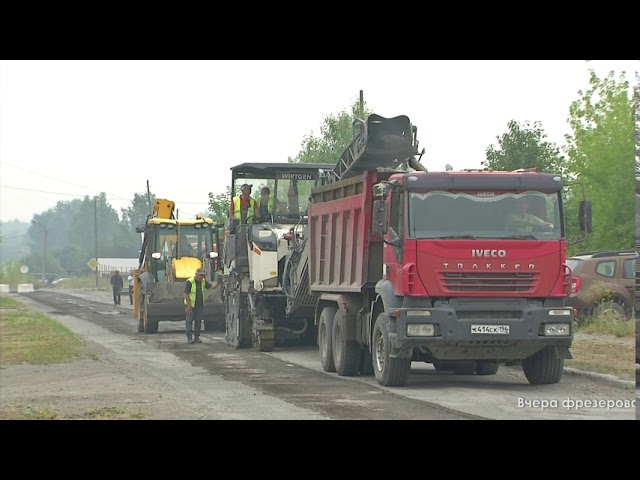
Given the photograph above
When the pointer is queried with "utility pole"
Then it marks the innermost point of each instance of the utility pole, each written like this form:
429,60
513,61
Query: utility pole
149,197
44,257
361,113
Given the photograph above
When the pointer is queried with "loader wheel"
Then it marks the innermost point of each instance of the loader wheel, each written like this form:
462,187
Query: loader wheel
346,353
389,371
148,325
325,343
140,314
543,367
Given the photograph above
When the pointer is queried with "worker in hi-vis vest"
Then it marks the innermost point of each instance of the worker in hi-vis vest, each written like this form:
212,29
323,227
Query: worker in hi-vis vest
243,207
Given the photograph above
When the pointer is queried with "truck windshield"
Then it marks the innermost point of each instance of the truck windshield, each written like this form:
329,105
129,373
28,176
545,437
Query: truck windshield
479,215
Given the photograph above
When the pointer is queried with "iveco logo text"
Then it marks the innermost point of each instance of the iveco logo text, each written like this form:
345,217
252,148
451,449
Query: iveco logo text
488,253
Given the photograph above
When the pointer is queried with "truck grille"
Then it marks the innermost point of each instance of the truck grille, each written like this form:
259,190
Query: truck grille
453,282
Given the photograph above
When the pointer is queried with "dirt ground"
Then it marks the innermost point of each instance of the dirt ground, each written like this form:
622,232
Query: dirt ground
102,386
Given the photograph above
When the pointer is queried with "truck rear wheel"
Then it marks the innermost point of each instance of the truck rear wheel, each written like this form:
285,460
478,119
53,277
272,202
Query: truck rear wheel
366,362
389,371
487,368
325,343
346,353
543,367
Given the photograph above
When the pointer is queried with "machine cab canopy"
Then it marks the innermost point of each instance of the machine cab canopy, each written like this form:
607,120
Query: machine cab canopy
288,184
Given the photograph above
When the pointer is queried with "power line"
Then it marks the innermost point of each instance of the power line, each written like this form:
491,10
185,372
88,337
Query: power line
47,176
113,197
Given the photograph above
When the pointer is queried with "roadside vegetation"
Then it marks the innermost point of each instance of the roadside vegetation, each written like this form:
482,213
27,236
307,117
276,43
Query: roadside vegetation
34,338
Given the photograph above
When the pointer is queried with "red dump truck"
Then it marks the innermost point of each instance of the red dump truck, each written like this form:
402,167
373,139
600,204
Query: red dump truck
383,263
406,265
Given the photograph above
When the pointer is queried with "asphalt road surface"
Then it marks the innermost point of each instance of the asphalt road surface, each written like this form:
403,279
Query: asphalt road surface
289,383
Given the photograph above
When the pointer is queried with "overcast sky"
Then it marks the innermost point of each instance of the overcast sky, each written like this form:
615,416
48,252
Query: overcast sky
75,128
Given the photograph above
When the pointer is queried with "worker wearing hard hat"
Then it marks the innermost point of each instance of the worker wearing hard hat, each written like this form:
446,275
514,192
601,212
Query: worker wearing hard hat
243,207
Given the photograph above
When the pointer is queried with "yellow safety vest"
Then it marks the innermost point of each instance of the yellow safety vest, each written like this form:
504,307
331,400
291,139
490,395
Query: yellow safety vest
192,293
236,208
269,204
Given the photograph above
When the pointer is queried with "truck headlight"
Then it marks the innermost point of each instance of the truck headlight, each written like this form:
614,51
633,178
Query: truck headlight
421,330
562,313
557,329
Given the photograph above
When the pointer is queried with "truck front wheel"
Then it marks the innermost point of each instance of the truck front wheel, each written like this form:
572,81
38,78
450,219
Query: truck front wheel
543,367
389,371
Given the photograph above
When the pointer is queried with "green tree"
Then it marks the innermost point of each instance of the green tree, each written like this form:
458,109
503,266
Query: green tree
524,146
601,156
219,205
137,213
336,132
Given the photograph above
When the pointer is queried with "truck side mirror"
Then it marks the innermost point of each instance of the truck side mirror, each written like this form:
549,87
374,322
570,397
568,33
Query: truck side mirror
380,219
584,216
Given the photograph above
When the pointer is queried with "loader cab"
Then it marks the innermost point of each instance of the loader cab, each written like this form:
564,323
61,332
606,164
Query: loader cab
175,249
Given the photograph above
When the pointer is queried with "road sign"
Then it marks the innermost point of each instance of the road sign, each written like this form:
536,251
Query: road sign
24,269
93,263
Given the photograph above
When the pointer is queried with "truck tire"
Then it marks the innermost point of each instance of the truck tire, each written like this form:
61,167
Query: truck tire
366,362
325,343
346,353
543,367
487,368
389,371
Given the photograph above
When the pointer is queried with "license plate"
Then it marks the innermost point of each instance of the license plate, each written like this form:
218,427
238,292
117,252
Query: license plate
490,329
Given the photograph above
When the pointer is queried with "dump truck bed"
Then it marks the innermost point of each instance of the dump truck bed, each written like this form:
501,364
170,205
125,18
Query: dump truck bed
344,255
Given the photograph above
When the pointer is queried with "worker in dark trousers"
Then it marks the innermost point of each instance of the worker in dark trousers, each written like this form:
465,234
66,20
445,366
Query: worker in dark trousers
194,304
116,284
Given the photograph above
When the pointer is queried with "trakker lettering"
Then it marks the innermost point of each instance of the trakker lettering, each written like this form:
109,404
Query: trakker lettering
488,266
488,253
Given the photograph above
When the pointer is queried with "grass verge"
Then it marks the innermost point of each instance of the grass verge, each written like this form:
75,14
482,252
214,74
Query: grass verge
34,338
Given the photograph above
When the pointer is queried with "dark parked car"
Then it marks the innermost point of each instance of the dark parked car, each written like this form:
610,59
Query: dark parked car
607,283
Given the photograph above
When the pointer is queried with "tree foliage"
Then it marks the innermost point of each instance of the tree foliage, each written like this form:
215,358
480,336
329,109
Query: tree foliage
336,132
601,156
219,205
71,228
524,146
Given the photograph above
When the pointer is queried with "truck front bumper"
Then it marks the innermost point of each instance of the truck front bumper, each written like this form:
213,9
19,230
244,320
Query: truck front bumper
480,335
